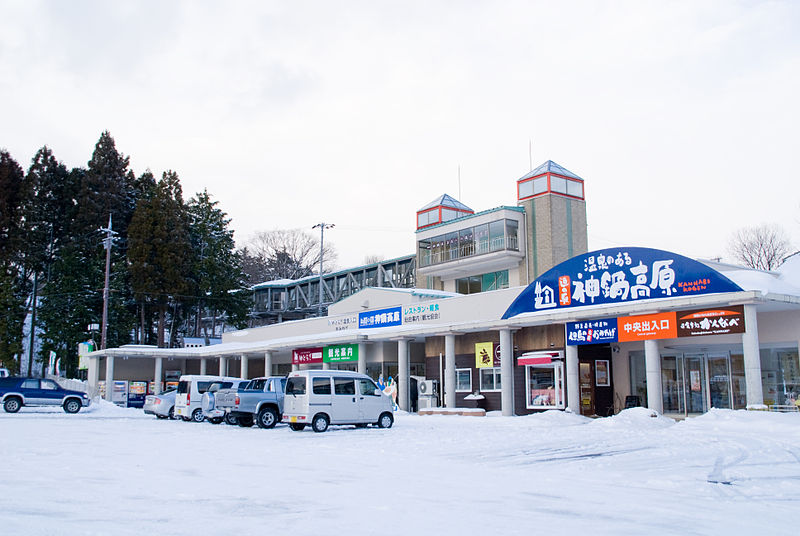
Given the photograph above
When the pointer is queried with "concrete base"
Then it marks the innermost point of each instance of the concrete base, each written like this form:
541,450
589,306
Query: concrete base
465,412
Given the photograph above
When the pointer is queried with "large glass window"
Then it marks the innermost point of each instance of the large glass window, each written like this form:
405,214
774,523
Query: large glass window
451,251
780,376
545,386
482,238
575,189
497,235
525,189
558,185
490,379
482,283
466,242
512,232
463,380
540,185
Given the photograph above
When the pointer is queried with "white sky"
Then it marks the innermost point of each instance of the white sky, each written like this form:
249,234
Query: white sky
682,117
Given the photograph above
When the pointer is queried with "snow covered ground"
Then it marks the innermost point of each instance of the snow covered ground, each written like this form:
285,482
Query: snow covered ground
112,471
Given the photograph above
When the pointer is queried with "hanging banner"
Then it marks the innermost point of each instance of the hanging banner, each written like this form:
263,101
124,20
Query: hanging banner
619,275
305,356
721,321
340,353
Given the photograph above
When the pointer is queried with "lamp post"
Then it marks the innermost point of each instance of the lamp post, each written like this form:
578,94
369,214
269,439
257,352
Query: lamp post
322,226
108,241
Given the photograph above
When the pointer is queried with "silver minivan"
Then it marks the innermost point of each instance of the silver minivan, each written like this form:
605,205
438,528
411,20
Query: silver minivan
324,397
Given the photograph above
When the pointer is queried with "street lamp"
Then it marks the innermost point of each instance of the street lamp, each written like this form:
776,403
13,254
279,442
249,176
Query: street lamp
322,226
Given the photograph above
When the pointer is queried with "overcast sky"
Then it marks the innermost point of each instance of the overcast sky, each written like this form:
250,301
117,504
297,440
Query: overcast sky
682,117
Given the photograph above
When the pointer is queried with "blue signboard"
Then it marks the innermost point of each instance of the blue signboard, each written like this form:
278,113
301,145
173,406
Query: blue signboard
381,318
619,275
592,332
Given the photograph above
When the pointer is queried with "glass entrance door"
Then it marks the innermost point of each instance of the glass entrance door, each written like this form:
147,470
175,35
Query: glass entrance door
694,383
719,381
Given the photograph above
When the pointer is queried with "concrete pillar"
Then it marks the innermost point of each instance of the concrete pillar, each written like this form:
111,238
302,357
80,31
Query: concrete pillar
109,376
652,366
93,375
267,363
573,380
752,359
295,367
449,371
403,376
326,366
158,375
203,366
506,373
362,358
223,366
243,368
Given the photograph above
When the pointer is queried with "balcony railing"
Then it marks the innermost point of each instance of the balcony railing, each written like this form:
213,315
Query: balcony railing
470,249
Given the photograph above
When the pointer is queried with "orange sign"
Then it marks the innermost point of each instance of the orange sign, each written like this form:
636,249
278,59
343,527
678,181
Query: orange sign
645,327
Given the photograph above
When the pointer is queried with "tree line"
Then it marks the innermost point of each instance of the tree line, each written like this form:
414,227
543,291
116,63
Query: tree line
175,270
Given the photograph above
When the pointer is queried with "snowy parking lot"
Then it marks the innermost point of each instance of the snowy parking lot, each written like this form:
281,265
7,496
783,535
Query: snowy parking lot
109,470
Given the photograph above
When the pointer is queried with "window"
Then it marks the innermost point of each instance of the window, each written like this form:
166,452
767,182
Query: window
256,385
202,387
544,386
482,238
463,380
183,387
512,232
344,386
321,386
575,189
466,242
558,184
525,189
490,379
49,385
497,235
367,388
540,185
296,386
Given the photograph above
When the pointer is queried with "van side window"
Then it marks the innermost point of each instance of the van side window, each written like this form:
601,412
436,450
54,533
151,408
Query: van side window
202,387
321,386
367,387
296,386
344,386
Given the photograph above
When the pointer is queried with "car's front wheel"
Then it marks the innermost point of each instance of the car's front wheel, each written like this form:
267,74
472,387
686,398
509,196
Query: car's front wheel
197,415
320,423
12,405
267,418
72,405
385,420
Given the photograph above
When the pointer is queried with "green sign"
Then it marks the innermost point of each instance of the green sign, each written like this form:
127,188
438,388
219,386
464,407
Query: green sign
340,353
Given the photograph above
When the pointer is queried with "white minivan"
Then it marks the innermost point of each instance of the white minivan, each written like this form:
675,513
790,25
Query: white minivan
324,397
188,400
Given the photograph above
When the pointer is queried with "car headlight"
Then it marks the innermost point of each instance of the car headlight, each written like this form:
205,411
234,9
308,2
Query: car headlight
85,395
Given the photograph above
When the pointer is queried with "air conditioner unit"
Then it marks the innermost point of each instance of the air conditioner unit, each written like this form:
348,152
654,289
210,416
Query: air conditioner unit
428,387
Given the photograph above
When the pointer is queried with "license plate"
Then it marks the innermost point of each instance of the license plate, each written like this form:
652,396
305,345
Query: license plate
292,419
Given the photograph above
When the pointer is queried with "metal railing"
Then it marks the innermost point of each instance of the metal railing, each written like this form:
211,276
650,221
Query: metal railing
471,249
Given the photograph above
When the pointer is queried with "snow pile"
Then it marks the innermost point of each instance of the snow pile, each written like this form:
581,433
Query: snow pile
636,418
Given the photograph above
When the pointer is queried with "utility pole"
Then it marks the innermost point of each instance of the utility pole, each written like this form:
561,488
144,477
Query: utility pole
322,227
108,241
33,325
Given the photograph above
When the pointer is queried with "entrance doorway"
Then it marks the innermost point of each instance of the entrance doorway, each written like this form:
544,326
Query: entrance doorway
595,380
694,383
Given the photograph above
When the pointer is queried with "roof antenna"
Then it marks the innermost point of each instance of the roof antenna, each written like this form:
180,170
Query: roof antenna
530,153
459,182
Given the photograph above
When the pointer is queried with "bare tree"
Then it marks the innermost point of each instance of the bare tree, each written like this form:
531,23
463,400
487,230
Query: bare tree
284,254
372,259
763,247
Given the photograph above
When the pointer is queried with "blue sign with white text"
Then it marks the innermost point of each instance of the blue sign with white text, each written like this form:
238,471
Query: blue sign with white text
382,318
592,332
619,275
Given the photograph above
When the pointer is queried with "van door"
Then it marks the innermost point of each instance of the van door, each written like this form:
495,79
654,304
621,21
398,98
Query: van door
344,402
371,405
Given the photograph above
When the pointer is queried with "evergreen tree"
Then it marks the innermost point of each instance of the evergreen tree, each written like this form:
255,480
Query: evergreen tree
159,252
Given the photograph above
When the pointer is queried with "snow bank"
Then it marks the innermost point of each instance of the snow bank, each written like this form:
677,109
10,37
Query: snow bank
638,418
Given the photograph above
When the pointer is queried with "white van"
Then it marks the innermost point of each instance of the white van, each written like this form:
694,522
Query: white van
190,395
323,397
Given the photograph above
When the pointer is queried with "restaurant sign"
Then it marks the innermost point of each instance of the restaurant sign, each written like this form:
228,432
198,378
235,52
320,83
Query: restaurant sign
305,356
720,321
619,275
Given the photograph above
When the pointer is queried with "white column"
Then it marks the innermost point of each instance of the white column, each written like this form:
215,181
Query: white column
295,367
506,373
326,366
404,376
752,359
203,366
158,375
93,375
109,376
652,365
573,382
223,366
267,363
243,368
449,371
362,358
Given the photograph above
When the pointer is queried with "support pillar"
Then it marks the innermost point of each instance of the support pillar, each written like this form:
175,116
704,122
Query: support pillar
652,365
752,359
449,371
158,375
573,380
362,358
506,373
203,366
267,363
243,368
326,366
109,376
223,366
93,375
404,376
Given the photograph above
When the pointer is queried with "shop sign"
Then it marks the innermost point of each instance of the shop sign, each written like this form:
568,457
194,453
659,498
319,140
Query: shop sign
647,327
539,358
413,314
305,356
381,318
342,323
484,354
592,332
340,353
721,321
619,275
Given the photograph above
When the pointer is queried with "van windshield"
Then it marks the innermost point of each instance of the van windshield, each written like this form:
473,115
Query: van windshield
296,386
